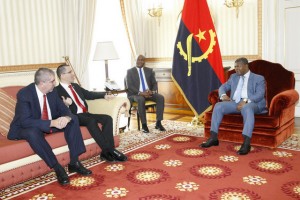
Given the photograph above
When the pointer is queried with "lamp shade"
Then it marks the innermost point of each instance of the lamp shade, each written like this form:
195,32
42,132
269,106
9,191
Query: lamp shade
105,51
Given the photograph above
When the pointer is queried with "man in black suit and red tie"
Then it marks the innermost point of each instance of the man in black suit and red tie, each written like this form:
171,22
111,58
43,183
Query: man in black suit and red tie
74,97
142,86
39,110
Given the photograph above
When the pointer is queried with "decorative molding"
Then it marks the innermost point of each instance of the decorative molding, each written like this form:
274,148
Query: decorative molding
234,57
30,67
158,59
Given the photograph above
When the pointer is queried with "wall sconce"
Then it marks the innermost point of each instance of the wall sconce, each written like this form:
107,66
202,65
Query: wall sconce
234,4
155,12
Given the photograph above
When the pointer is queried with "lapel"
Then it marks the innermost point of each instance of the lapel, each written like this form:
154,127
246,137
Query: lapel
35,100
136,77
235,83
78,91
64,92
250,81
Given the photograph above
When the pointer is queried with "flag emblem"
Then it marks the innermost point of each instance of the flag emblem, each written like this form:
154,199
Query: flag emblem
188,54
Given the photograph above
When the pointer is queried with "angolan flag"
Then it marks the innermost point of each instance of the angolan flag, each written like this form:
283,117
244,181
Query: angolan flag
197,63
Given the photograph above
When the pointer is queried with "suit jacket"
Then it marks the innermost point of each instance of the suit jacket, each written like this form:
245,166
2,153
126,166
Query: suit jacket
133,80
82,93
28,111
256,89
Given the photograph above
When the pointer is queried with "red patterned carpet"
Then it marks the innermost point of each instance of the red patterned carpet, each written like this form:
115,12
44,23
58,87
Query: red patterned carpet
173,167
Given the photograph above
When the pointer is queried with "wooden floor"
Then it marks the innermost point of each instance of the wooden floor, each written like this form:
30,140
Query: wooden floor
180,115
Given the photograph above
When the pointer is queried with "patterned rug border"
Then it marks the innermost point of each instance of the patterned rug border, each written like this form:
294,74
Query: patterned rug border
131,141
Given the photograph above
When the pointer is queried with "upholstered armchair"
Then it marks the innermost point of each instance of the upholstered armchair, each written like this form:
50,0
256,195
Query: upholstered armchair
272,128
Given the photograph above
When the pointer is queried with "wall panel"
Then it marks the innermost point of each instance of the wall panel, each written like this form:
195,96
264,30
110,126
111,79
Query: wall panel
31,32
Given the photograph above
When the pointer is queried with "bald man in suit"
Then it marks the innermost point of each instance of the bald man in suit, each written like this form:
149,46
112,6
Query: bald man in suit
142,86
247,98
75,98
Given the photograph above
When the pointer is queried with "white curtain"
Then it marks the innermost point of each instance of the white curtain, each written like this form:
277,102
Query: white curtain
135,15
78,17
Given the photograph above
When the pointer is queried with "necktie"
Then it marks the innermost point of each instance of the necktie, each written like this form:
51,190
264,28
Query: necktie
45,110
77,100
142,79
238,92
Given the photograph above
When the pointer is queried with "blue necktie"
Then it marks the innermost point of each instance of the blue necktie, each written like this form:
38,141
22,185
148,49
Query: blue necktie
238,91
142,79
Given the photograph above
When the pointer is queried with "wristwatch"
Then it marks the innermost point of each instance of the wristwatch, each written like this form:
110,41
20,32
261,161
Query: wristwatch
245,100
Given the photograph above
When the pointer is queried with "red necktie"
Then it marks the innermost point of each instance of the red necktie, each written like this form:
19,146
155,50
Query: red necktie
77,100
45,110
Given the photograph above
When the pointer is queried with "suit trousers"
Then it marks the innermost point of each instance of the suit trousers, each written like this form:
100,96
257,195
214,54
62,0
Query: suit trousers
104,136
160,105
230,107
36,139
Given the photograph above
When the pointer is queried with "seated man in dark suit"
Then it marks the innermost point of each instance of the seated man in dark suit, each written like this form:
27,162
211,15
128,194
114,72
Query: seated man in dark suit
74,96
247,97
142,85
39,110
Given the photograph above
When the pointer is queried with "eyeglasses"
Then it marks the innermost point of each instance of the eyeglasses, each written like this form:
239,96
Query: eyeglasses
69,72
52,81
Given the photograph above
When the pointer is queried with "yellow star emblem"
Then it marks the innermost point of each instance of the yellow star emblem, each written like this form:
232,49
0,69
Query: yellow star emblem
200,35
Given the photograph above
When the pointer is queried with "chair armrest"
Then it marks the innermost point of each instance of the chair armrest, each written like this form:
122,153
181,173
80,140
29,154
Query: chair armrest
114,108
283,100
213,97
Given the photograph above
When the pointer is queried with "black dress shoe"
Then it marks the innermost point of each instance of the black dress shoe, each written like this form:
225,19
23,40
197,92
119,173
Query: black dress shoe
244,150
79,168
210,142
62,176
108,157
145,129
118,156
160,127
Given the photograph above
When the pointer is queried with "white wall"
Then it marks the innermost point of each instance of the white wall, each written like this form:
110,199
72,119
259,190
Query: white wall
281,32
109,26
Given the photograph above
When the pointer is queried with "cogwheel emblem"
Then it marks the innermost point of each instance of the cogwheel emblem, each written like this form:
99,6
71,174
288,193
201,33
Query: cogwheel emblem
188,55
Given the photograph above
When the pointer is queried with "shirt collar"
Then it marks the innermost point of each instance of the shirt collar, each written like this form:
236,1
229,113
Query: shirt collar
247,74
64,85
39,93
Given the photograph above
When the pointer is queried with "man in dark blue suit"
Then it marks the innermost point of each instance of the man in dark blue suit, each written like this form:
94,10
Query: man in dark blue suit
247,97
39,110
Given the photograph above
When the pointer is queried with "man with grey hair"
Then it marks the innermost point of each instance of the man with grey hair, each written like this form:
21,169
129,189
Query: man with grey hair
247,98
39,110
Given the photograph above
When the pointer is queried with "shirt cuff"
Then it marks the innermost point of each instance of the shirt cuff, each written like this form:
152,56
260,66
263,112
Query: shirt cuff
221,98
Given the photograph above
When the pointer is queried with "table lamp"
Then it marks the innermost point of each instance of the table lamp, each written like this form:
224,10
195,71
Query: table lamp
105,51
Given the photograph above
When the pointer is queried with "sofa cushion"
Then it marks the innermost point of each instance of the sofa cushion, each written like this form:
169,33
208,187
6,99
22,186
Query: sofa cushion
7,111
235,120
21,148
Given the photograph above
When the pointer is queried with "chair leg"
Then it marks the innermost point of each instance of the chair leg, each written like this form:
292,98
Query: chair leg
138,120
128,123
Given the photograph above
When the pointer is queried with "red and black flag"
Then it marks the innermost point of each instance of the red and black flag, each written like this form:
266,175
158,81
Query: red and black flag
197,62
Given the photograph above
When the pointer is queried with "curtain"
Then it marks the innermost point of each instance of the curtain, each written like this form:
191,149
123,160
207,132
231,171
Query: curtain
78,21
134,15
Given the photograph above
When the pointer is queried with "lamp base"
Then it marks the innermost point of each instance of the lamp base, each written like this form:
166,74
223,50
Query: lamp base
111,85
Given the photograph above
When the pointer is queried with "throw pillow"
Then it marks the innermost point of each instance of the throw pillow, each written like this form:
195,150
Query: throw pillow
7,111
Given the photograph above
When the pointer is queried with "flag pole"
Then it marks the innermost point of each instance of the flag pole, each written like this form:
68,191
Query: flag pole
69,63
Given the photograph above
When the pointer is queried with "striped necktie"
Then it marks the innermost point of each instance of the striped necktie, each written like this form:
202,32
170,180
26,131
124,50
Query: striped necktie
142,80
238,92
77,99
45,109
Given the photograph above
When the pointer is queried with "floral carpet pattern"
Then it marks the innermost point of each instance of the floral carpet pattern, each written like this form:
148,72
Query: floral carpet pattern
170,165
